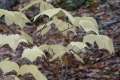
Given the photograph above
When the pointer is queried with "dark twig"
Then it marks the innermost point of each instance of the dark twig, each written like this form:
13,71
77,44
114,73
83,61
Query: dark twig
51,68
66,69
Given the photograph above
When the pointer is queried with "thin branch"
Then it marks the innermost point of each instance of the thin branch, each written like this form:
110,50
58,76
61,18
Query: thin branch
9,29
51,68
42,29
66,69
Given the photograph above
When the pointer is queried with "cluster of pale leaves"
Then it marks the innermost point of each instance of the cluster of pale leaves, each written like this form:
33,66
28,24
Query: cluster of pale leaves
56,50
8,66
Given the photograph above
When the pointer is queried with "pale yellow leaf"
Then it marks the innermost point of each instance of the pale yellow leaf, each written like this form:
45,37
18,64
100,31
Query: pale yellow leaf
9,17
53,48
32,54
26,36
47,24
89,38
14,17
90,19
77,46
8,66
13,42
45,5
101,40
76,21
31,4
70,17
57,55
37,50
28,68
88,26
52,12
78,58
45,30
8,20
6,59
57,47
39,76
20,19
33,70
44,47
1,13
16,78
48,12
64,26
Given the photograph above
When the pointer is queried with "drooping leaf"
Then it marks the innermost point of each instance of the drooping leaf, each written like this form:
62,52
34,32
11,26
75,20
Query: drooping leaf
26,37
101,40
33,53
46,29
44,47
14,17
44,6
48,12
70,17
22,19
64,27
33,70
39,76
57,55
78,58
56,50
52,12
47,24
16,78
53,48
88,26
8,66
90,19
76,21
76,46
13,42
31,4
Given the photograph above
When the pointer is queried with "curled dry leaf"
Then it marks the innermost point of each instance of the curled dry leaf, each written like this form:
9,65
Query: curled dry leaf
101,40
33,53
8,66
33,70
